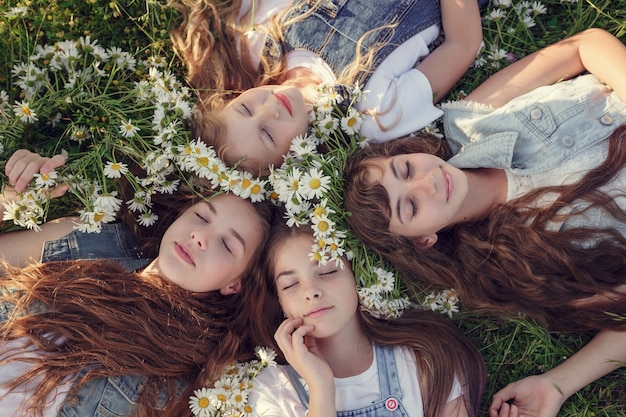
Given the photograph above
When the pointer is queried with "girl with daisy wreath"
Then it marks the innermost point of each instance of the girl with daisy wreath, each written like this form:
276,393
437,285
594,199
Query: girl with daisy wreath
257,66
94,324
343,361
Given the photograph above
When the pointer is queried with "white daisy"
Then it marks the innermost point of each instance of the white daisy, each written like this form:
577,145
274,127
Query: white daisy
115,169
147,219
314,184
200,403
127,129
24,112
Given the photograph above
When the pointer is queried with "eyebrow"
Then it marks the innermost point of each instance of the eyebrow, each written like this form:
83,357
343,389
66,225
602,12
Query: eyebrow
394,171
284,273
231,230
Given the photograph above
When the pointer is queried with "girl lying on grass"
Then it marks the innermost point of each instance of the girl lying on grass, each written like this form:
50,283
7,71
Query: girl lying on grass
521,210
341,360
258,64
102,326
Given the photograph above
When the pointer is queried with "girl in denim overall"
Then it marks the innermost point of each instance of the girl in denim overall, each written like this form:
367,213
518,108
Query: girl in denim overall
292,47
344,362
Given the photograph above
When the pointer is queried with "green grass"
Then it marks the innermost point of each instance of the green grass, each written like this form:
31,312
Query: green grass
513,348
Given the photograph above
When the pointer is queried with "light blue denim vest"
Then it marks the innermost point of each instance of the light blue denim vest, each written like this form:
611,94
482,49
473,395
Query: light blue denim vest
333,30
104,397
536,132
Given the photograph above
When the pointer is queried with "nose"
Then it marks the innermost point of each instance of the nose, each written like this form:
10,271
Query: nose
200,237
270,109
424,183
312,291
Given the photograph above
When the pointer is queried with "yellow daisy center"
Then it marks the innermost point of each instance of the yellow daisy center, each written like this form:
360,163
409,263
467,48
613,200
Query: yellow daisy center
203,161
323,226
26,111
319,211
315,183
256,189
245,183
203,402
97,217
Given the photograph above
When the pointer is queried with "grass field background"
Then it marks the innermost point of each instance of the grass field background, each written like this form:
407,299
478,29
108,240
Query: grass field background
512,347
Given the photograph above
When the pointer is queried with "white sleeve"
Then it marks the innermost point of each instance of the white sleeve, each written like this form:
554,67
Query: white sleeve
406,107
273,395
400,94
456,390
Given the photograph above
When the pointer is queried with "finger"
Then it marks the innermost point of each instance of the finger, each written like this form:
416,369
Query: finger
59,191
284,331
52,163
17,155
504,410
23,172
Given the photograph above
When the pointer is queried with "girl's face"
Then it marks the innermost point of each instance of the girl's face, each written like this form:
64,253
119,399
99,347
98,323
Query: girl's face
426,194
209,246
325,297
262,122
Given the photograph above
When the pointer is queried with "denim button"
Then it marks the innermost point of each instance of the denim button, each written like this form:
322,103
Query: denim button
73,400
567,141
606,120
536,114
519,165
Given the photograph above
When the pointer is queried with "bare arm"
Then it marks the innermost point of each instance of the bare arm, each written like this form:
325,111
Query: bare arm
463,35
543,395
594,50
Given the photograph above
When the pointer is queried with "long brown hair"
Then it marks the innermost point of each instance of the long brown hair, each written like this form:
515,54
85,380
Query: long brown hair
94,316
424,332
508,261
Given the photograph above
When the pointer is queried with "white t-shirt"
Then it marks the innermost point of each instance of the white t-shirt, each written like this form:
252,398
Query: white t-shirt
12,403
273,394
396,89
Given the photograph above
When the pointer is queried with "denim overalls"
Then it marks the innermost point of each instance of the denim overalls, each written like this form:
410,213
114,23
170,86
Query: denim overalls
333,30
390,404
103,397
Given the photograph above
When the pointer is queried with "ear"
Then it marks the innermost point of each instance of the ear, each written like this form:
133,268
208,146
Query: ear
425,242
233,288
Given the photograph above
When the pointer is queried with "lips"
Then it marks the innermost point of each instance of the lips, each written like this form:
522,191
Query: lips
184,254
448,184
284,101
317,311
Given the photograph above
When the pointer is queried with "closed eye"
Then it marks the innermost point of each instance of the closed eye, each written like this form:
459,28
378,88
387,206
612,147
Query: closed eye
245,109
267,135
413,207
289,285
328,273
225,245
201,217
408,170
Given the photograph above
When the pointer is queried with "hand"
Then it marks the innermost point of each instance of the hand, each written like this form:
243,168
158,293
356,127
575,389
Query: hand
301,352
23,165
534,396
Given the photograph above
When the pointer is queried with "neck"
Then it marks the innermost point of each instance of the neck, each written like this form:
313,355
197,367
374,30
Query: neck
348,354
488,189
